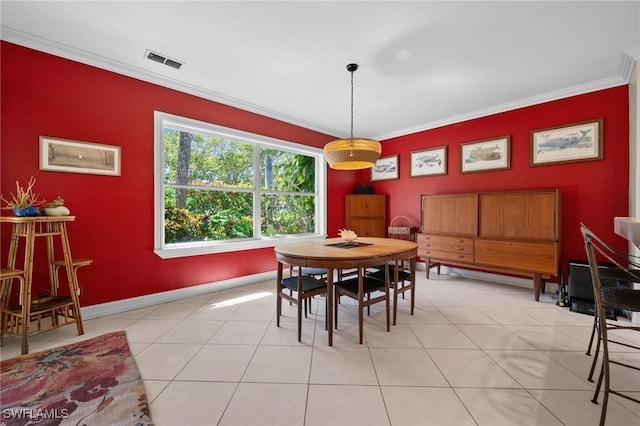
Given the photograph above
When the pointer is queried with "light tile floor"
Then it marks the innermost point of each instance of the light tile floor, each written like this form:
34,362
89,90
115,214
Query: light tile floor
473,353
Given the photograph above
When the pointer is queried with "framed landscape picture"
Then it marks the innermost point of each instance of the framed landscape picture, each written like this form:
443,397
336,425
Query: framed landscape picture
429,162
60,155
485,155
385,168
566,144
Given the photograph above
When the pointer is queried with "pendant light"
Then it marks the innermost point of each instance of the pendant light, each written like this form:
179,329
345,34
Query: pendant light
352,153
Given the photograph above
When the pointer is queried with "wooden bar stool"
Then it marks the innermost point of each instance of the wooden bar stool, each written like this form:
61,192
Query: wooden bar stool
14,320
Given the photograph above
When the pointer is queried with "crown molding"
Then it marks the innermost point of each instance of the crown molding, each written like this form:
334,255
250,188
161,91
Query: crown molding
629,58
88,58
21,38
520,103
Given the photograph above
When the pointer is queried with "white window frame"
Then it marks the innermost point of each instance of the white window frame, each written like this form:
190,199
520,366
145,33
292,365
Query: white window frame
161,120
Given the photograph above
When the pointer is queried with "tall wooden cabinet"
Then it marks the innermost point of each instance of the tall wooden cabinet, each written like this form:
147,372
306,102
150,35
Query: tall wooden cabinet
515,232
366,214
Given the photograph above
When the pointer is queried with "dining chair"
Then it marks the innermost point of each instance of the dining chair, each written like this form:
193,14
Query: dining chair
611,276
401,280
366,291
320,273
610,298
304,286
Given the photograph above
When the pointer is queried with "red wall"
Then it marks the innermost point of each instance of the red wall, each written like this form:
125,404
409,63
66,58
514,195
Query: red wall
47,95
592,192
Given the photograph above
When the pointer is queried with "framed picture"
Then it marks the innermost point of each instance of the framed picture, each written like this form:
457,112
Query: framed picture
566,144
385,168
485,155
62,155
429,162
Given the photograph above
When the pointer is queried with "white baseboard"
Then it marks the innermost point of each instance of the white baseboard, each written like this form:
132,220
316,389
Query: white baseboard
118,306
115,307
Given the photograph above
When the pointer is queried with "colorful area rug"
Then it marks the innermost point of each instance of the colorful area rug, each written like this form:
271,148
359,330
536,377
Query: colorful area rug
95,382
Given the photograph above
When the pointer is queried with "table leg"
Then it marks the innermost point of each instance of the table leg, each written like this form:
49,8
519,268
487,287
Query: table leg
329,298
73,279
25,297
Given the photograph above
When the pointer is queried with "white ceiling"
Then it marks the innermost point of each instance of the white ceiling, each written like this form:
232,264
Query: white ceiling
422,63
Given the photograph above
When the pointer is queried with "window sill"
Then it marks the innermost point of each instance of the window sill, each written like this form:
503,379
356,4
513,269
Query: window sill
196,249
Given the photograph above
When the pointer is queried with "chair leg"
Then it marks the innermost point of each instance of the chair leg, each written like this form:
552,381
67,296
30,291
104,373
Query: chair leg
603,376
360,315
278,307
596,353
336,300
395,303
413,292
299,307
26,316
593,333
326,312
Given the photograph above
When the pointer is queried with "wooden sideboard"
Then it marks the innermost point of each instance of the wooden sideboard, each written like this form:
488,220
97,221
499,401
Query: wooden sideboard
514,232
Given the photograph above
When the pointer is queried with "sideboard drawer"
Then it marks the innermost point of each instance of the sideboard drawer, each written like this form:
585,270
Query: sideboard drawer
438,242
446,255
453,248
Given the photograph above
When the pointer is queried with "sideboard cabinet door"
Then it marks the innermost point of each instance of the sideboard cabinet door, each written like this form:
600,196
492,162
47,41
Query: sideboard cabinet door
450,214
531,215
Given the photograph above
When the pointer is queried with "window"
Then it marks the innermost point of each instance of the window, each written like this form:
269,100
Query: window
220,189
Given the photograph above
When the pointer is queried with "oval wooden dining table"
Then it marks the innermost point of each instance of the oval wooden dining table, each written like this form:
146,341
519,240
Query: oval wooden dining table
335,254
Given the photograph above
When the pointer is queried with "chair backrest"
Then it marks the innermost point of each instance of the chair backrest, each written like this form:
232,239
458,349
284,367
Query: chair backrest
621,267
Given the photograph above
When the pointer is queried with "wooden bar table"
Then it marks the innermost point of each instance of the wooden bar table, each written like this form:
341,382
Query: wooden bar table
28,229
335,254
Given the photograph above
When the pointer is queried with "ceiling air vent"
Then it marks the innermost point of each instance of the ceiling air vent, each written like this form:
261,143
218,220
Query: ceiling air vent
163,59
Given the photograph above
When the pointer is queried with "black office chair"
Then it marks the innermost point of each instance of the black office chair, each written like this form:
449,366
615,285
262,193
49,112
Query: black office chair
610,298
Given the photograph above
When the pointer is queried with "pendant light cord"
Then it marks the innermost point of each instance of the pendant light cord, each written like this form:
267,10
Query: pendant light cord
352,104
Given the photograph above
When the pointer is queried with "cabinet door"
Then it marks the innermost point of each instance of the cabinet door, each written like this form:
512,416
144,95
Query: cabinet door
450,214
367,227
540,257
366,214
365,205
531,215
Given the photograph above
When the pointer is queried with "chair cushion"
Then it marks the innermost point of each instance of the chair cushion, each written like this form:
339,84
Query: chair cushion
369,285
379,274
308,283
307,270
